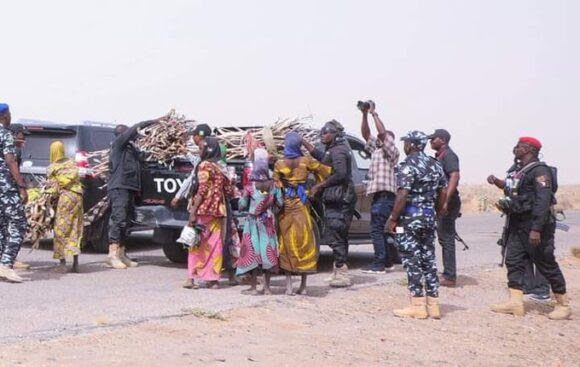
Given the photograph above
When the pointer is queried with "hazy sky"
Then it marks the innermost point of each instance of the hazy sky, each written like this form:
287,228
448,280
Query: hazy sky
488,71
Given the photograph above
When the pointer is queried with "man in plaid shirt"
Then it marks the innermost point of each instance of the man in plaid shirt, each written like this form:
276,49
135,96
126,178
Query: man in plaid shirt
382,184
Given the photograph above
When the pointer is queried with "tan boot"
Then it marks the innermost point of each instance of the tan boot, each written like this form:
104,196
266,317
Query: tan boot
113,259
433,308
9,274
125,259
21,265
515,306
562,311
417,309
341,278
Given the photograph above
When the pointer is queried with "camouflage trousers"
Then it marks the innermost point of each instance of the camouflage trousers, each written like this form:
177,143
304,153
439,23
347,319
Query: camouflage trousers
416,247
12,227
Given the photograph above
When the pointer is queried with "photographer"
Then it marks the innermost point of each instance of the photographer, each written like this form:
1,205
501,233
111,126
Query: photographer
382,184
530,234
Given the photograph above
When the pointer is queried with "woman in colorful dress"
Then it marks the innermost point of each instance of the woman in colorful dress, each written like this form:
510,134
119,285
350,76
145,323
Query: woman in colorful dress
259,243
296,240
208,209
64,183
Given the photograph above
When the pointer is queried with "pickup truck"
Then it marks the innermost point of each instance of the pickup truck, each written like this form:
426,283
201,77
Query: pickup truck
160,184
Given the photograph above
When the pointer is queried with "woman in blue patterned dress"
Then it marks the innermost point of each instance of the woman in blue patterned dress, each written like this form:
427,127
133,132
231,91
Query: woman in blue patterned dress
259,248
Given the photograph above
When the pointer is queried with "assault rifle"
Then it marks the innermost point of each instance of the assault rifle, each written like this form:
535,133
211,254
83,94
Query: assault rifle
502,242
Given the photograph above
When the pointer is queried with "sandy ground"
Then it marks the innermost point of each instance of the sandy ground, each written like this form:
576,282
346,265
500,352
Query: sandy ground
352,327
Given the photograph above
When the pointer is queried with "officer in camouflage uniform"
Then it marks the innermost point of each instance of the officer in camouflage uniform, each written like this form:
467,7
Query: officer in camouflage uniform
421,183
12,197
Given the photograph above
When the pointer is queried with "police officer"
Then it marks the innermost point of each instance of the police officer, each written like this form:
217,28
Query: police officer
421,184
530,196
338,196
13,196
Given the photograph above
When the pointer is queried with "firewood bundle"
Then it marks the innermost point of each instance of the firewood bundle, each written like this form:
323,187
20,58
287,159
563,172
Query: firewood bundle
40,214
96,212
165,140
270,137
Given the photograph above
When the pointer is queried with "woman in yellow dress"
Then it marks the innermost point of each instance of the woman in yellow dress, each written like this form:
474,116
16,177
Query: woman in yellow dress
296,239
65,184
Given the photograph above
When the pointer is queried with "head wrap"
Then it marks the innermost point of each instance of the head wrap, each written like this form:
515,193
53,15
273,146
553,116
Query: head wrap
292,144
260,170
202,130
4,108
531,141
417,138
56,151
212,151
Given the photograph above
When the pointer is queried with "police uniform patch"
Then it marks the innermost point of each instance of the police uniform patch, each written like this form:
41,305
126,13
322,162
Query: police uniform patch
543,181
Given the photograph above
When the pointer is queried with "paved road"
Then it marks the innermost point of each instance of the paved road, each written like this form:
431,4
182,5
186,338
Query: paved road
50,304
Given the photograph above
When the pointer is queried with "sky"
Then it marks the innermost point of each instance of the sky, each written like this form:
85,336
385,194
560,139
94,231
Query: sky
488,71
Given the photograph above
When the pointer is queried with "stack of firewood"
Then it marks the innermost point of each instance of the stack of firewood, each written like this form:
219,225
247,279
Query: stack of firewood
40,213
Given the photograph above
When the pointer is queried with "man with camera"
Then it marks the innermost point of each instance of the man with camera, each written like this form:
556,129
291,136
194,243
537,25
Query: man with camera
382,183
451,208
529,197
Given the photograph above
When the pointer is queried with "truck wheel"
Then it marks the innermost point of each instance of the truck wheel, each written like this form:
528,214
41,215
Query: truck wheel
175,252
99,235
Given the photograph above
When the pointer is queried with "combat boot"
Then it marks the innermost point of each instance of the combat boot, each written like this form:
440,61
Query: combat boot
433,308
125,259
341,278
417,309
562,311
9,274
113,259
515,306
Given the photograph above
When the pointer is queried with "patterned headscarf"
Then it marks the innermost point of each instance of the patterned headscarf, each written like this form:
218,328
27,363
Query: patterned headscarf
292,144
56,151
260,170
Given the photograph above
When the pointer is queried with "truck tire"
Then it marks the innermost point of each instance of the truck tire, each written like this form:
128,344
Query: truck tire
98,235
172,250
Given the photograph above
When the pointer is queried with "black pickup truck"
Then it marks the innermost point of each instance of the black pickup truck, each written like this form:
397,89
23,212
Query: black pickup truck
160,184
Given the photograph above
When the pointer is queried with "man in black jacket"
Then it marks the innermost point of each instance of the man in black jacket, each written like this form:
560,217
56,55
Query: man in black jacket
124,183
338,196
529,198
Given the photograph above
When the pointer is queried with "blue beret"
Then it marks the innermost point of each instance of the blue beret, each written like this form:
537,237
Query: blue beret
4,108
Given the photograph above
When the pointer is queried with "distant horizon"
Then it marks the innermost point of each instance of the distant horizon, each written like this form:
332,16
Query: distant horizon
487,71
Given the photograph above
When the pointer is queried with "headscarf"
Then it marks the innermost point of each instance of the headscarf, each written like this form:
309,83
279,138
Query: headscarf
4,108
292,144
56,151
260,170
212,151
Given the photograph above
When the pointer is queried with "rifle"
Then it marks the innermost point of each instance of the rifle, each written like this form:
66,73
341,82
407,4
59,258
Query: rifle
502,242
459,239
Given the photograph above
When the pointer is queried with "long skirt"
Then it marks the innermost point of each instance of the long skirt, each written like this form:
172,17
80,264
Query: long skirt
296,240
259,245
204,262
68,225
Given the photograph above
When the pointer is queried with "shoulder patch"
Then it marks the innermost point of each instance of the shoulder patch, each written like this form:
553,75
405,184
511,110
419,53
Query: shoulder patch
543,181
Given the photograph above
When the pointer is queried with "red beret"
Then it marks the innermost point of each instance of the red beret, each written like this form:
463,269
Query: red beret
532,141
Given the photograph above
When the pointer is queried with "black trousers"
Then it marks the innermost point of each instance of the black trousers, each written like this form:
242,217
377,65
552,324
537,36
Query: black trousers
446,235
337,220
122,205
520,252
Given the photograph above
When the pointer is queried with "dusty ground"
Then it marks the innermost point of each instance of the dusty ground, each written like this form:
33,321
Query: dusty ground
346,328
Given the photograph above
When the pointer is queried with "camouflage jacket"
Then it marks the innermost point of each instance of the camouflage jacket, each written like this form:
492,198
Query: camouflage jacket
7,183
422,176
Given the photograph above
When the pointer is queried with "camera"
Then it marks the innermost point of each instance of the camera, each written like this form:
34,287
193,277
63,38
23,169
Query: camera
364,106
